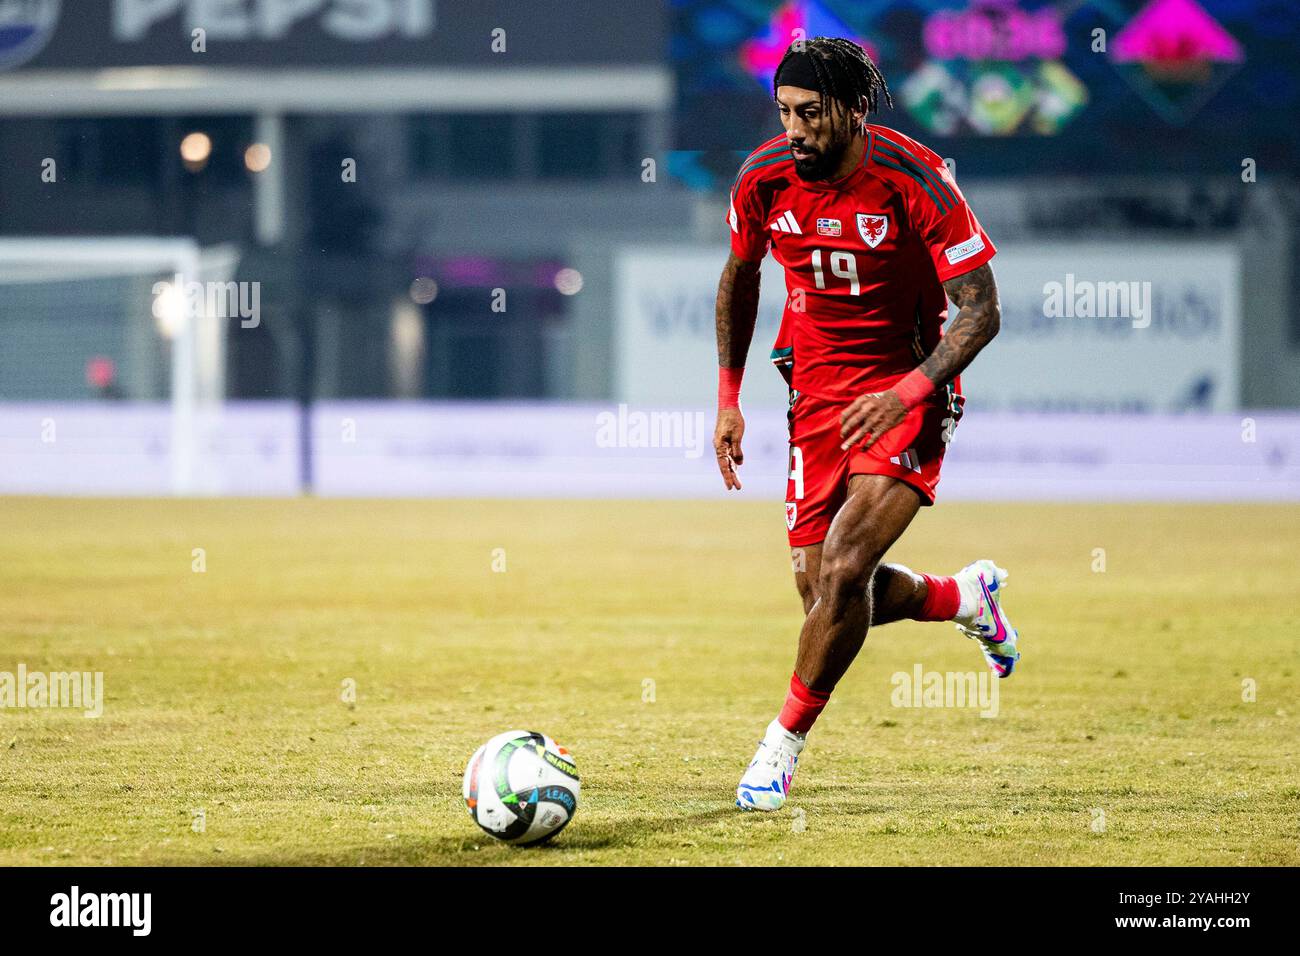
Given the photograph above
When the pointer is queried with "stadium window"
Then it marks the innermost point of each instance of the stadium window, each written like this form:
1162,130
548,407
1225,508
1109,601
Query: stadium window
463,146
588,145
425,137
128,151
481,146
570,146
623,144
76,147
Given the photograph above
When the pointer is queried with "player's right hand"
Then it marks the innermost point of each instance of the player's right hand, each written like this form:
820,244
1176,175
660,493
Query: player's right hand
726,444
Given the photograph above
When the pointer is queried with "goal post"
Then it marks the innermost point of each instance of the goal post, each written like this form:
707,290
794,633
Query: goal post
56,294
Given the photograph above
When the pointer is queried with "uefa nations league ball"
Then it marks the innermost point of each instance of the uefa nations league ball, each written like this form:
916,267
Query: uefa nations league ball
521,787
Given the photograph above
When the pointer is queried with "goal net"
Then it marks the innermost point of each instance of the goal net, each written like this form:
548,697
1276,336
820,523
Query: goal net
92,319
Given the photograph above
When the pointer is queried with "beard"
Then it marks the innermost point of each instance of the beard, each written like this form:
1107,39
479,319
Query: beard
823,162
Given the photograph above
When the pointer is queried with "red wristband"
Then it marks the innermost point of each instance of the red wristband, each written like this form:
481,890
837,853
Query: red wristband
729,386
913,388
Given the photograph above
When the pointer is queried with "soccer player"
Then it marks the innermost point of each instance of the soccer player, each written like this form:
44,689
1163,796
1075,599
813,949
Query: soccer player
872,231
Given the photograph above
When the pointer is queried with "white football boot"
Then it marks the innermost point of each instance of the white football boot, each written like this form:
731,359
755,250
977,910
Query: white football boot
981,587
766,783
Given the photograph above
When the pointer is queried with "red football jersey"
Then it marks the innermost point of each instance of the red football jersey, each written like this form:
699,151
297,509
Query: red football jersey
865,258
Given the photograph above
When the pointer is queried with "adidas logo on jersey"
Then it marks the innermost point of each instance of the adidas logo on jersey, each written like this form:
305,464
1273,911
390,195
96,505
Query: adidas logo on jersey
786,223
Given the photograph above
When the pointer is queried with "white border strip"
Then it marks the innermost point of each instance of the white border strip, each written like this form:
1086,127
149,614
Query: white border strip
178,90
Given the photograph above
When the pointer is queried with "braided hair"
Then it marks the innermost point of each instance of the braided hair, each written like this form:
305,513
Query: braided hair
844,72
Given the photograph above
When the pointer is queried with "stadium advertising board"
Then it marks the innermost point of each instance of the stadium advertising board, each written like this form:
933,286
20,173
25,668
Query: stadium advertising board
125,448
620,450
339,33
1099,327
647,450
664,345
1088,327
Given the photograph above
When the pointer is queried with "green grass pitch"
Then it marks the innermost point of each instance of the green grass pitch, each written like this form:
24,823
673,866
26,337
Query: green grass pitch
655,641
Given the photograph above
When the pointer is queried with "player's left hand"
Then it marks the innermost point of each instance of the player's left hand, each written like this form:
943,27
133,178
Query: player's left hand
869,417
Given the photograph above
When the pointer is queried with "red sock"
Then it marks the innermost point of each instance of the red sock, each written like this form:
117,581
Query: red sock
802,707
942,599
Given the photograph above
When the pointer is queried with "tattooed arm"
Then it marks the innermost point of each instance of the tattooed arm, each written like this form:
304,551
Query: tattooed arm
978,319
737,310
735,315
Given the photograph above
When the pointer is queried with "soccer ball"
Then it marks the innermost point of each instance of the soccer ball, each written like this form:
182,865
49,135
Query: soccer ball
521,787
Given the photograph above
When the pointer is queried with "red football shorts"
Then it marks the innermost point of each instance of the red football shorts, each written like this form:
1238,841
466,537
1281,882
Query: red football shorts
819,470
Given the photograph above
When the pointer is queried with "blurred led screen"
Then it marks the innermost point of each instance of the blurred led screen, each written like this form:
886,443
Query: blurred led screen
1010,85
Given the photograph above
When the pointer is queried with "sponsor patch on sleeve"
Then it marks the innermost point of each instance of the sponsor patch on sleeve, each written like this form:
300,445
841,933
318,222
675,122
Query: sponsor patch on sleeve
964,250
